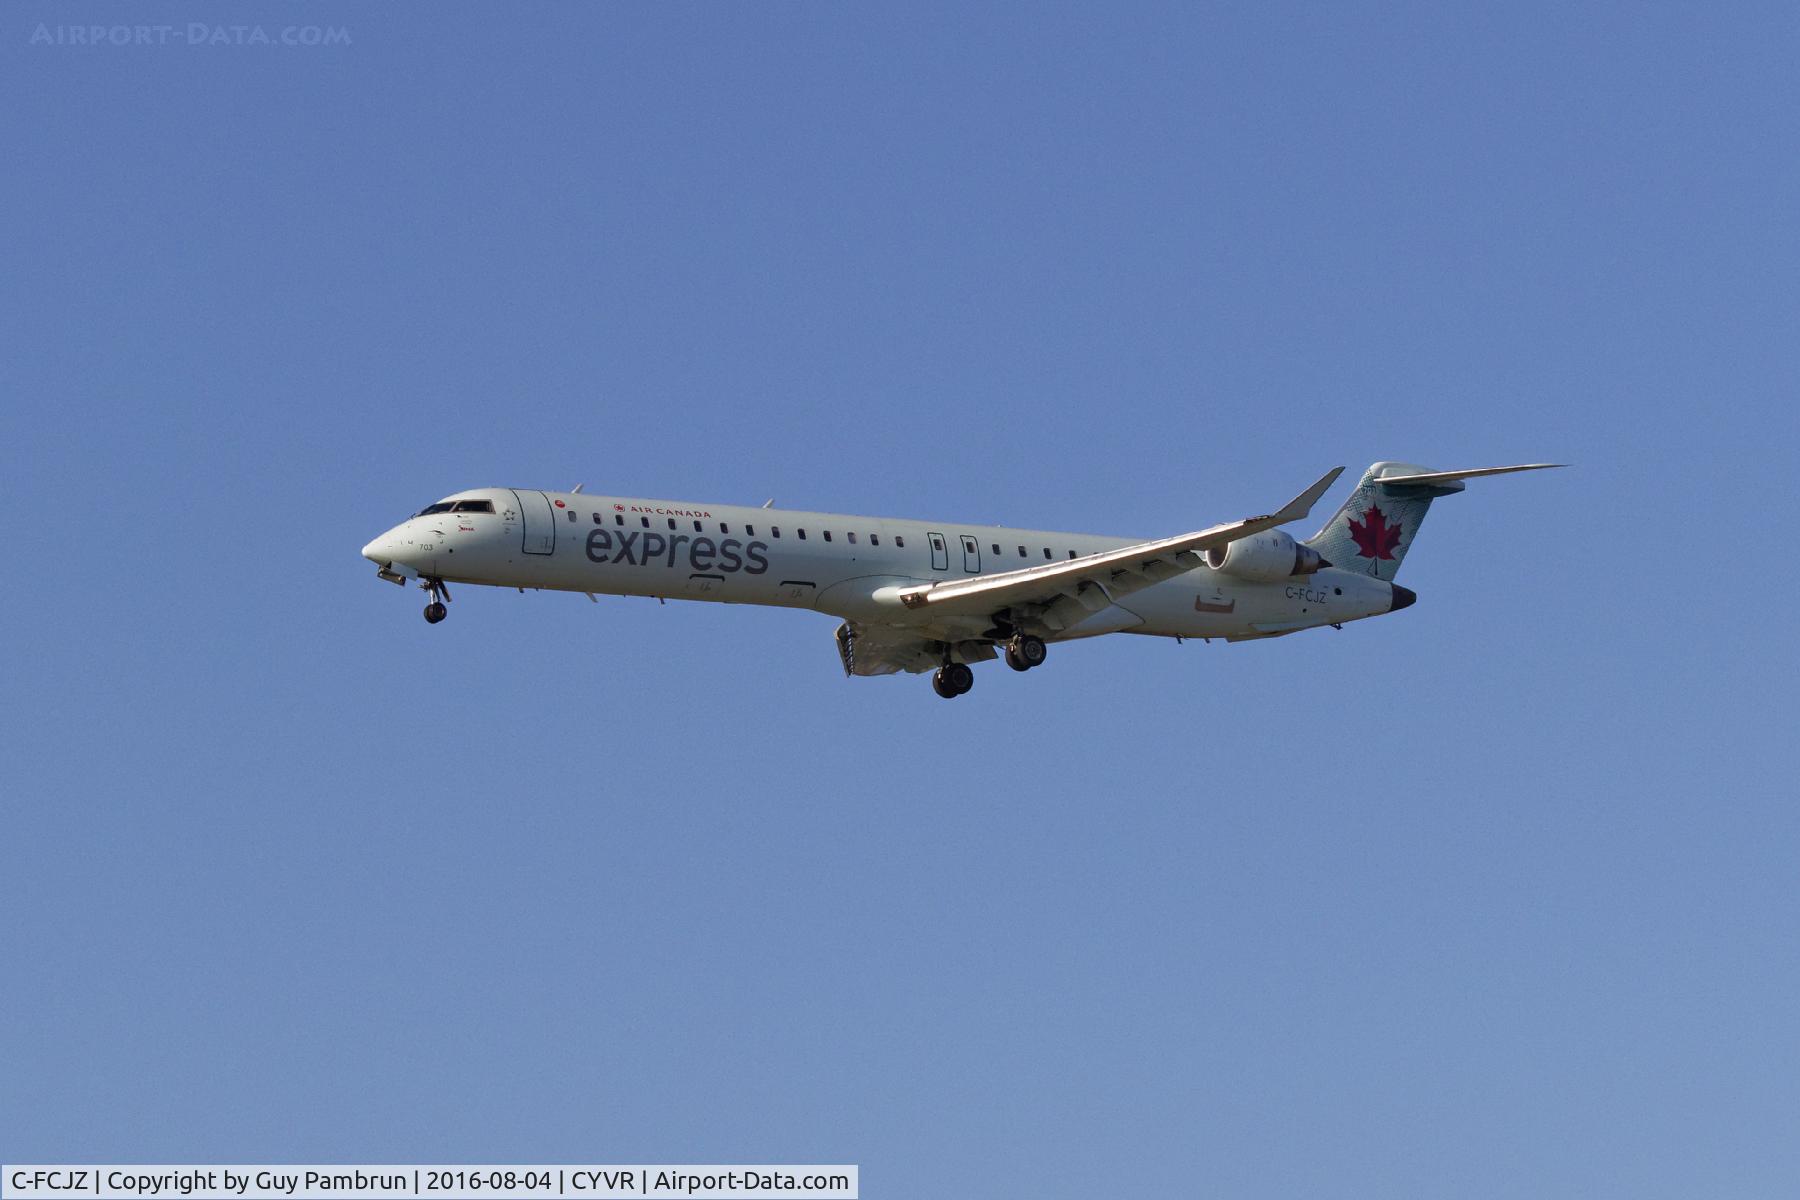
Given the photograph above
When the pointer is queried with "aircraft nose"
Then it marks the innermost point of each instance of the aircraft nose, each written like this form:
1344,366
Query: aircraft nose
382,550
1403,598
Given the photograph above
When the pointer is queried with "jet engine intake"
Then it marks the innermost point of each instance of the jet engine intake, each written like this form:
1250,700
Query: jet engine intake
1265,557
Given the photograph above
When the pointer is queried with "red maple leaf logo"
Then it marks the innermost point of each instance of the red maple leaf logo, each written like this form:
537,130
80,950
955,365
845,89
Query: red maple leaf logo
1374,537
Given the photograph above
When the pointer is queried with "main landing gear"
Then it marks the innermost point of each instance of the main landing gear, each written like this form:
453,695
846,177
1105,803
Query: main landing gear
952,680
440,592
1024,652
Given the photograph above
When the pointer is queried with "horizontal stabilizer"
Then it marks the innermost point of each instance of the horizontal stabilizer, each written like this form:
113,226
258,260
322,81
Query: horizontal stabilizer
1455,476
1376,526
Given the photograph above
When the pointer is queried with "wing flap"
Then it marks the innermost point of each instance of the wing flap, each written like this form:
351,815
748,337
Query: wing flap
877,649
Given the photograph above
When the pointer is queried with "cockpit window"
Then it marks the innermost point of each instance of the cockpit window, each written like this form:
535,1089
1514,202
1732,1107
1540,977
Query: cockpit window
429,509
486,506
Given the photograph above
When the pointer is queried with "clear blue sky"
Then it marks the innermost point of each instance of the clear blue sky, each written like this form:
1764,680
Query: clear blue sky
1494,897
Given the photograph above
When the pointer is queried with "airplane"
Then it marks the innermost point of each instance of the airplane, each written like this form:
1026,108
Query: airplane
936,596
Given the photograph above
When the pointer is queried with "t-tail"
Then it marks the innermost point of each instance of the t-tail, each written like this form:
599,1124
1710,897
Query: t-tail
1375,528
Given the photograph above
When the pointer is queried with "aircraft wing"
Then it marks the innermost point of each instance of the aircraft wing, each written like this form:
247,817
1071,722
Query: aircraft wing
1072,588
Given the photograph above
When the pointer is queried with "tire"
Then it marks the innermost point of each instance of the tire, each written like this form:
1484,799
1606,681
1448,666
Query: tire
941,686
958,677
1015,662
1032,651
435,612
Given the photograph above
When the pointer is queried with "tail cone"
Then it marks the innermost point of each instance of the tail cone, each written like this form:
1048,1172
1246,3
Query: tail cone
1403,598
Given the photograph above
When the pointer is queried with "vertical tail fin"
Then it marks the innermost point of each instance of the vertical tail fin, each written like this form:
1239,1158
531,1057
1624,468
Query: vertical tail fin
1375,528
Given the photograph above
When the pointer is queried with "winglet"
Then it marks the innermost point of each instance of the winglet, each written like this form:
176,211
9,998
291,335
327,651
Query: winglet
1302,504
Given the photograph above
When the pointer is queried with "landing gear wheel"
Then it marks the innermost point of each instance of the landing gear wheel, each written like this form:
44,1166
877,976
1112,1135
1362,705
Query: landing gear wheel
435,611
952,680
1025,652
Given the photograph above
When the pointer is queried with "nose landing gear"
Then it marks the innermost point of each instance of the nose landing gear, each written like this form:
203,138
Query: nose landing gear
440,592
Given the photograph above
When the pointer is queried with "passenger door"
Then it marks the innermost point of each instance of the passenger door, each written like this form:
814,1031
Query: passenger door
971,555
540,522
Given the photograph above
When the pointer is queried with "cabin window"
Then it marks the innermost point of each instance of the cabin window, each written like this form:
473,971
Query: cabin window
618,518
724,528
571,513
775,531
1046,552
598,519
828,535
852,538
803,535
899,541
671,522
646,521
463,506
1021,552
874,539
996,547
749,531
697,528
1071,554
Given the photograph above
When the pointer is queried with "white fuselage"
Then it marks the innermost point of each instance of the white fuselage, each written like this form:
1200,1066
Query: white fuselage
829,562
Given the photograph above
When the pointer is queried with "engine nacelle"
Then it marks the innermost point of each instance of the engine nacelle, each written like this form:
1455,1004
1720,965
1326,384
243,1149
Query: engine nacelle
1266,557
